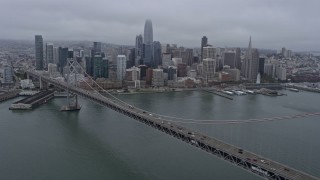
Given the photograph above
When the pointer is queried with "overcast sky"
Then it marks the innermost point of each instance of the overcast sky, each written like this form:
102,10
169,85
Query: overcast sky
273,24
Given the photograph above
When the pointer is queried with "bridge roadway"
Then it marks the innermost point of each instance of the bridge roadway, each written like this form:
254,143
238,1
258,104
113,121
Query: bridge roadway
248,161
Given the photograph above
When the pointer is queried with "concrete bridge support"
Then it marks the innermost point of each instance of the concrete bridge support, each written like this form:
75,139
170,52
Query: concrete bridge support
43,85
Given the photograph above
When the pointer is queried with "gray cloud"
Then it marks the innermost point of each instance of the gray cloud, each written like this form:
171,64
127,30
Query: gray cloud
294,24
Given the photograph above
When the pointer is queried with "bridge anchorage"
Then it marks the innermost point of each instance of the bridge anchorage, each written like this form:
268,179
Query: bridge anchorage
248,161
71,78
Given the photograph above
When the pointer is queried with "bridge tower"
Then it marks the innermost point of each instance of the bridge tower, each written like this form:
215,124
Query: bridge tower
72,70
43,85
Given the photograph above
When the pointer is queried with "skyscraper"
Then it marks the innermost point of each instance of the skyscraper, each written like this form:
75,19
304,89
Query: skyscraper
188,56
251,63
39,52
208,69
138,53
148,44
70,53
121,67
229,59
63,55
204,43
130,57
100,67
208,52
261,65
89,65
49,53
148,32
97,47
238,58
56,55
166,60
157,54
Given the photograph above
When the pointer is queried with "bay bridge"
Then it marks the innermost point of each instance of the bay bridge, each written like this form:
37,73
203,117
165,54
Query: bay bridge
248,161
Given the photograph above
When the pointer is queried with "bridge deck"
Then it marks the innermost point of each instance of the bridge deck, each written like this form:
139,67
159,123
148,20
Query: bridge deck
247,160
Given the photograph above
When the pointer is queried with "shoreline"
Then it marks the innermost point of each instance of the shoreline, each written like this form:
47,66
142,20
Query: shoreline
154,91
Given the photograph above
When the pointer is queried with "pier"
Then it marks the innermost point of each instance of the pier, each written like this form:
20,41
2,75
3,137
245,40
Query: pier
32,101
303,88
213,91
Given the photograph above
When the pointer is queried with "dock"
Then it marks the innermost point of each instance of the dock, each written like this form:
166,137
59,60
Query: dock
9,95
213,91
32,101
315,90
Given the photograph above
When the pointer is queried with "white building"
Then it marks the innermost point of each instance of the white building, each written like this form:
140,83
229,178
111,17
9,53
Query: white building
234,73
269,70
8,74
199,69
281,73
177,61
121,67
192,73
133,73
163,48
166,60
209,52
53,70
26,84
157,77
208,69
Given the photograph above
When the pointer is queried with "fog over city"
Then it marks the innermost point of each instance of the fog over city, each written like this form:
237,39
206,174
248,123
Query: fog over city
273,24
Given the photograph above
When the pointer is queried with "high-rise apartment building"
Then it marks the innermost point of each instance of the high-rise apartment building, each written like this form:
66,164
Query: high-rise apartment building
166,60
208,69
281,73
157,77
208,52
39,52
121,67
8,74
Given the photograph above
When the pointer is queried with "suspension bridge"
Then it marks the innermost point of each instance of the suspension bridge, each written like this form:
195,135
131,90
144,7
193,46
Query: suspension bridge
251,162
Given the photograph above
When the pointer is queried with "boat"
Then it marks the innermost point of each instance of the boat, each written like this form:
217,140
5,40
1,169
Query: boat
70,108
239,93
249,91
293,89
228,92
